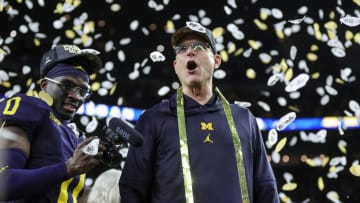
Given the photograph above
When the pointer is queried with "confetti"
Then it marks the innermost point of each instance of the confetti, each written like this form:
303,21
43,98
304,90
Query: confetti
157,56
350,21
297,83
285,120
92,148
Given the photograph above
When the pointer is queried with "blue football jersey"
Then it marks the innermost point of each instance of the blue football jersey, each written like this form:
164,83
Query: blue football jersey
52,142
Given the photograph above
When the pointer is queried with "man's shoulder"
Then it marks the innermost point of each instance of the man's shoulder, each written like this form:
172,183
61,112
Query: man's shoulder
23,106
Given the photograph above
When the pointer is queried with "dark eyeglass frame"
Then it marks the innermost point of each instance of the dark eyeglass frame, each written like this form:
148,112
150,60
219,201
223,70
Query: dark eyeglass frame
71,87
196,46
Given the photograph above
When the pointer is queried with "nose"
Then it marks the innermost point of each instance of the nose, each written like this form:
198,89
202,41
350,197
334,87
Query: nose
190,51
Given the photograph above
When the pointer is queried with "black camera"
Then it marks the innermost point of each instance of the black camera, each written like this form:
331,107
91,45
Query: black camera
112,156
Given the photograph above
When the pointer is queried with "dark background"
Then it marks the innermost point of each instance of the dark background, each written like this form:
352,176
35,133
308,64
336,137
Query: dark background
22,50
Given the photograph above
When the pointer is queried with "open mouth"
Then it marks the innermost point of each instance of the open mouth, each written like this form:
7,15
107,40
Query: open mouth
191,65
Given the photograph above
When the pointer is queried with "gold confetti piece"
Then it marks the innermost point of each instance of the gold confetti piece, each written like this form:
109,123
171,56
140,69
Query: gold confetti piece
310,162
357,2
280,34
89,27
28,82
254,44
332,34
169,27
217,32
281,145
2,51
224,56
283,65
250,73
342,148
239,51
260,25
289,186
331,25
285,199
357,37
59,8
36,42
70,34
349,35
263,14
85,39
318,35
93,76
231,48
314,47
112,90
95,86
325,161
1,5
315,75
312,57
320,183
355,170
289,74
6,84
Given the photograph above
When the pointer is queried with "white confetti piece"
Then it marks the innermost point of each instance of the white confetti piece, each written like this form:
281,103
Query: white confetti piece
134,25
92,125
338,52
297,21
324,100
293,52
26,69
196,26
243,103
297,83
275,157
219,74
332,91
264,106
163,90
355,107
274,79
157,56
272,138
350,21
333,196
285,120
92,148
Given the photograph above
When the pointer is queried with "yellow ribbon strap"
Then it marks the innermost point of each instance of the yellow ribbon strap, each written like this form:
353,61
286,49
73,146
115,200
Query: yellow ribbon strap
237,147
184,151
185,160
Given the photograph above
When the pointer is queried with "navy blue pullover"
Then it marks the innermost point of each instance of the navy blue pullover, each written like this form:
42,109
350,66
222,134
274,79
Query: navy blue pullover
153,172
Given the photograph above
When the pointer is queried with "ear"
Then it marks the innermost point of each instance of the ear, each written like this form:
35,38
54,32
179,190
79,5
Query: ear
174,65
217,59
43,84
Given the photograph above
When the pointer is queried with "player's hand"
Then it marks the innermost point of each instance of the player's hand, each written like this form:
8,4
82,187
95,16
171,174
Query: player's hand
82,162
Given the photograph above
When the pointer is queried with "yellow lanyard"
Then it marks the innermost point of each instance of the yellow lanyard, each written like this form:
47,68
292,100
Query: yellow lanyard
184,151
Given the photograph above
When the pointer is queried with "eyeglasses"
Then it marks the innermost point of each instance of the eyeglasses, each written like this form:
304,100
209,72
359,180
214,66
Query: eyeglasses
68,86
196,46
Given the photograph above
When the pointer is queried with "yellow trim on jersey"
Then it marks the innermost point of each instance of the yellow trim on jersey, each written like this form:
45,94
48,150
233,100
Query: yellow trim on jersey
63,196
78,188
